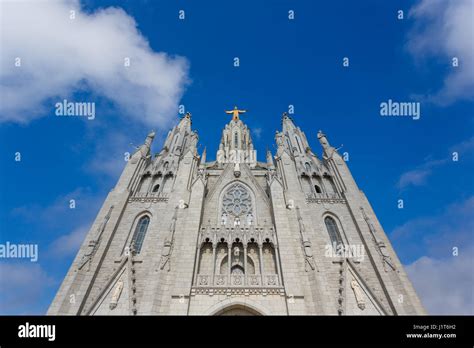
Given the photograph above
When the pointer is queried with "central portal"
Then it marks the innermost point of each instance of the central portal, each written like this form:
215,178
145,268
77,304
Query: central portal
237,310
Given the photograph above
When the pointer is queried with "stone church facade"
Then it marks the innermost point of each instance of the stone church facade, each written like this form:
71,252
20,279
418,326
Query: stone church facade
180,235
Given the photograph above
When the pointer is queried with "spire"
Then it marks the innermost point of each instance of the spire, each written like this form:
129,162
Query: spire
236,135
203,156
270,159
185,120
287,122
236,142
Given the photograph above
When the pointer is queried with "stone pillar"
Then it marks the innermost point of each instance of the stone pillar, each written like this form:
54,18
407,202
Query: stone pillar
229,261
323,187
198,264
260,255
313,189
245,264
277,261
214,246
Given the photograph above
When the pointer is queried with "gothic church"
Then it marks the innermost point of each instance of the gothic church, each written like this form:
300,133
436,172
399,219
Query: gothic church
180,235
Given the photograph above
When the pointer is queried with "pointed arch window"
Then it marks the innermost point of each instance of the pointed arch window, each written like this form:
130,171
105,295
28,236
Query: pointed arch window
317,188
140,232
236,140
156,188
333,231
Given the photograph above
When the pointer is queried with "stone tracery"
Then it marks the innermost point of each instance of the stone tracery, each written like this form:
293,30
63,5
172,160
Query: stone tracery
237,201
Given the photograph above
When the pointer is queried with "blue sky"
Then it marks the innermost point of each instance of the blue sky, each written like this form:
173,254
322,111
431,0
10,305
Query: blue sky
282,62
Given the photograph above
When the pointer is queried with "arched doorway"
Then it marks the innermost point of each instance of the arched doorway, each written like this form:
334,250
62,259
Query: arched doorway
237,310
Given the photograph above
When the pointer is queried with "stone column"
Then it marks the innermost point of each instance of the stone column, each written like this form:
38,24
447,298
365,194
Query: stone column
214,246
229,261
198,264
277,260
260,255
245,264
323,187
313,189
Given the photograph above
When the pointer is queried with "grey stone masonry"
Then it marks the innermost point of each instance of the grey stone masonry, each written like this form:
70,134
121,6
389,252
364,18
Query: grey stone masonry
180,235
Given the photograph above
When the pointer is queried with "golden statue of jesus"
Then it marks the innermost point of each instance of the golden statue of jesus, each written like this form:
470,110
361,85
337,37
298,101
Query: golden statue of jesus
235,113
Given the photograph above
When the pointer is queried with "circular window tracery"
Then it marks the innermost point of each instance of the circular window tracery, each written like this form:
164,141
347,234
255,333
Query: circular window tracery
237,201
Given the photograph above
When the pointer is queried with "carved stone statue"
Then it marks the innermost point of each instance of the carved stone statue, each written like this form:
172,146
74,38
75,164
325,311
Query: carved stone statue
249,219
116,294
323,140
291,204
270,164
145,148
387,260
94,244
235,113
168,244
224,219
279,138
310,264
308,253
194,140
385,256
358,294
369,222
166,254
236,256
236,221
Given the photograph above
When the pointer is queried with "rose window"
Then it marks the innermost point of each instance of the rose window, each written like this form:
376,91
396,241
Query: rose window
237,200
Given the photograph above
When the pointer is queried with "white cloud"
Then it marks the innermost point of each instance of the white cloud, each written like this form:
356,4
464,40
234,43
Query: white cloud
445,286
68,244
419,175
60,55
109,155
451,227
444,282
445,29
59,212
23,287
257,132
27,288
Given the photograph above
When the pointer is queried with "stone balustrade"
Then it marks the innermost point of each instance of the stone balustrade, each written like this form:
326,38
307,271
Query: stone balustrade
238,280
